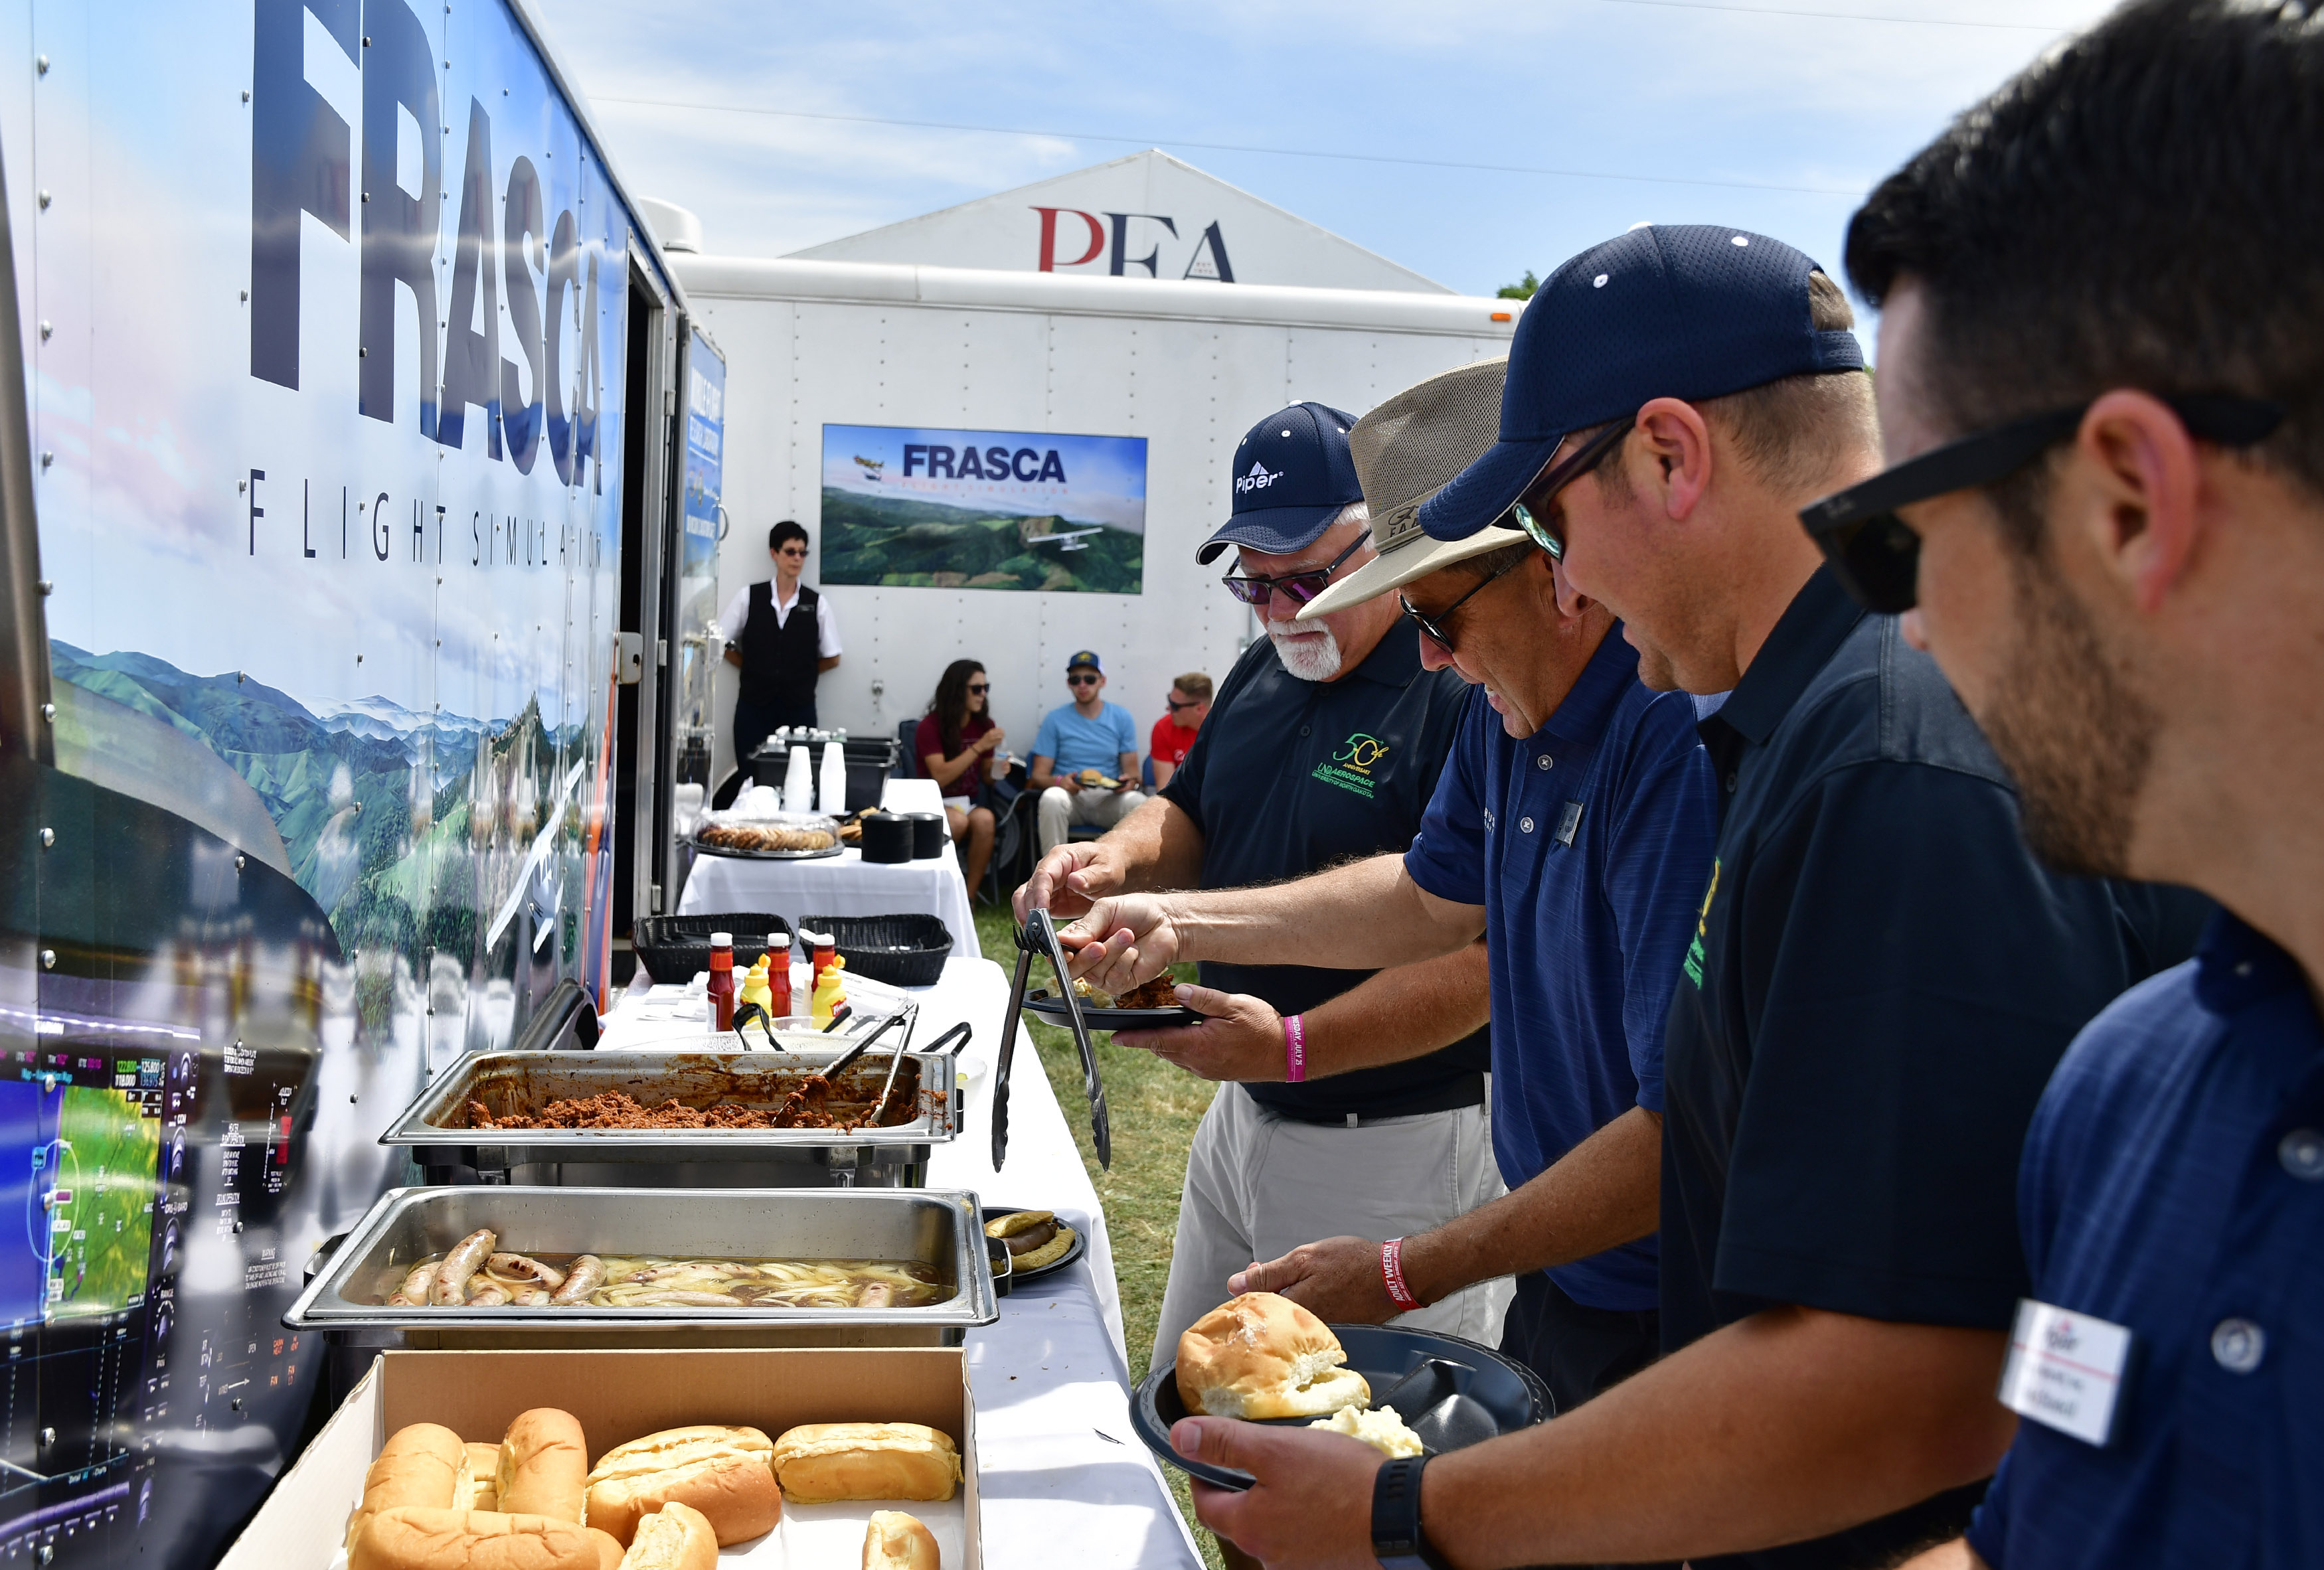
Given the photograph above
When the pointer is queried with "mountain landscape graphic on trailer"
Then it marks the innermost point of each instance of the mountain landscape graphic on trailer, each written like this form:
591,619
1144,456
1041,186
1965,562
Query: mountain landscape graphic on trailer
407,828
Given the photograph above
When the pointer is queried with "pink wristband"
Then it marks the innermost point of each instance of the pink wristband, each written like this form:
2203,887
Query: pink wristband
1295,1048
1392,1272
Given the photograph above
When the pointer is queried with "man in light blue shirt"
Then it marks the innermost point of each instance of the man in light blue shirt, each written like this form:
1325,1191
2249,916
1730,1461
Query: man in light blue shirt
1085,758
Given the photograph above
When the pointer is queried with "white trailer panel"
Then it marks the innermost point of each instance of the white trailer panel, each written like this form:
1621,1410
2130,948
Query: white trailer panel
1188,366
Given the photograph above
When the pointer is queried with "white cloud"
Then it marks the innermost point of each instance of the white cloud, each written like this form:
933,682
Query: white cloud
1601,86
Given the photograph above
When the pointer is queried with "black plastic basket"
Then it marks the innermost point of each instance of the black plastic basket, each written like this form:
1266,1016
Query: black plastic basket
673,948
903,950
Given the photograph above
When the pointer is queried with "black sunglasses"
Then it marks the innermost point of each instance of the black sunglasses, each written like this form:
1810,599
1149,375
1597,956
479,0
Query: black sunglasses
1088,681
1532,512
1877,555
978,689
1299,588
1434,625
1176,705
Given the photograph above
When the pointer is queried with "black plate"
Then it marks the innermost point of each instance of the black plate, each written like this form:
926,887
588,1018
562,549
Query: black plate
1471,1393
1079,1246
1111,1019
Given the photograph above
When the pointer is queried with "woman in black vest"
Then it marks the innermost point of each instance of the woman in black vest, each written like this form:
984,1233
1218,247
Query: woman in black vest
783,636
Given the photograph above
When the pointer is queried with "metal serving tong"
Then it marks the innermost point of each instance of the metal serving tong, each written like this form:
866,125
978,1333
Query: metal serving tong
1038,935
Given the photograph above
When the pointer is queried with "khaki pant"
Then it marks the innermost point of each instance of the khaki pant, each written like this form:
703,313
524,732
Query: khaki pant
1061,809
1258,1186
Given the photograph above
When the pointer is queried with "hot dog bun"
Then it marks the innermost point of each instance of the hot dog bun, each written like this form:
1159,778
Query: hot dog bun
824,1463
723,1473
482,1489
417,1465
896,1541
544,1465
415,1537
675,1536
609,1548
1261,1356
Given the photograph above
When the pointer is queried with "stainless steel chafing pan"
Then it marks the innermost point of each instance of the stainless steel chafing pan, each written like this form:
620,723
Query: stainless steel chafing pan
436,1127
940,1228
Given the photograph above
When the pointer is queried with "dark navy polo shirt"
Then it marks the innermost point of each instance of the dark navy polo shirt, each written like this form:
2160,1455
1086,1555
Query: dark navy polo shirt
2174,1183
1587,844
1289,777
1881,980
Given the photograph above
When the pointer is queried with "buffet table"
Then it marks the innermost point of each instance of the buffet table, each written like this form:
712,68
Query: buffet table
1063,1478
844,884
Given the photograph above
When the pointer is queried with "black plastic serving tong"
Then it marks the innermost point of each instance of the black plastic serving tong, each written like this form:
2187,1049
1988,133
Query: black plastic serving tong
1038,935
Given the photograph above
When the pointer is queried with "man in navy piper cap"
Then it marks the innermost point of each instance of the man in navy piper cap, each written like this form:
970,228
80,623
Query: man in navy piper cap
1323,745
1880,980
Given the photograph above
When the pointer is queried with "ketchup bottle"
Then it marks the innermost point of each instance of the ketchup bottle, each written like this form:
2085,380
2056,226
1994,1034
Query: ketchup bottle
778,973
722,982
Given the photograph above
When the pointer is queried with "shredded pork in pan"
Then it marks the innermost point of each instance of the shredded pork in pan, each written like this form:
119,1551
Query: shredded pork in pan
618,1109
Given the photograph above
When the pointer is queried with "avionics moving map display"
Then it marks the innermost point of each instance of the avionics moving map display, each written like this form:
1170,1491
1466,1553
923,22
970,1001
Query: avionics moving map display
326,311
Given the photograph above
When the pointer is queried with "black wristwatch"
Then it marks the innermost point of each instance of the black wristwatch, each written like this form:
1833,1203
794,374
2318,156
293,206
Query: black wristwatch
1398,1540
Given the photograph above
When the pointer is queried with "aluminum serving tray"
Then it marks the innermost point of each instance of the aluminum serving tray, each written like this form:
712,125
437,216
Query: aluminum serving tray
435,1127
941,1228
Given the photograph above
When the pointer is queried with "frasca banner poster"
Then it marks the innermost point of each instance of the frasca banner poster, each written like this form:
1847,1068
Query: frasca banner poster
911,507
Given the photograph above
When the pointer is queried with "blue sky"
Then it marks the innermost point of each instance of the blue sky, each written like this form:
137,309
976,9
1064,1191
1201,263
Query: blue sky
1769,114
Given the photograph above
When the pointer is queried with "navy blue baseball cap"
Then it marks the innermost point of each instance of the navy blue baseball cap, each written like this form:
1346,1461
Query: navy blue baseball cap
1690,311
1293,474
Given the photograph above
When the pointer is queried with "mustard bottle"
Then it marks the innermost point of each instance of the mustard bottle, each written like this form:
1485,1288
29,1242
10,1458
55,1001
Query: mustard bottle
827,993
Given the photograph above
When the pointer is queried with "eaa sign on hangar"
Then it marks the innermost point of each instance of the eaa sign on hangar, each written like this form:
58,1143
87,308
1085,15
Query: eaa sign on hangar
1146,215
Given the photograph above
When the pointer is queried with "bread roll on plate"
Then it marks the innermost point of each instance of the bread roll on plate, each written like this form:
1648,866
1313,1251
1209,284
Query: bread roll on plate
721,1473
544,1465
418,1465
675,1536
826,1463
1261,1356
416,1537
896,1541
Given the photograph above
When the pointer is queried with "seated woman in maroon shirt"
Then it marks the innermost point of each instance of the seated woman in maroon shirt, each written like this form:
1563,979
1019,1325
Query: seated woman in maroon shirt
958,745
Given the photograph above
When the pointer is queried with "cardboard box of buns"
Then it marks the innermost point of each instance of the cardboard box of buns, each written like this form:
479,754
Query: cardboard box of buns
643,1459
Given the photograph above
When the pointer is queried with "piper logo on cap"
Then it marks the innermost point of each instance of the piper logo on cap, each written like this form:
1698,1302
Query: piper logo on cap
1258,479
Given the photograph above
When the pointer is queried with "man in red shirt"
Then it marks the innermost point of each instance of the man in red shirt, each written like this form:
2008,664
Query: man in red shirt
1174,733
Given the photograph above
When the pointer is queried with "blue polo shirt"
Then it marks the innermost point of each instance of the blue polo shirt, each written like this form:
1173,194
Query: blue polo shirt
1589,844
1072,743
2174,1183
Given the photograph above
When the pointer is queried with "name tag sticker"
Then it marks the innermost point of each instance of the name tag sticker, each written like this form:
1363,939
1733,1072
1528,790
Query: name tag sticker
2065,1369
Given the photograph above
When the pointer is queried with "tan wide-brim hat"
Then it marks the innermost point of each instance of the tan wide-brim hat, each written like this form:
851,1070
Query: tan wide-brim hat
1406,450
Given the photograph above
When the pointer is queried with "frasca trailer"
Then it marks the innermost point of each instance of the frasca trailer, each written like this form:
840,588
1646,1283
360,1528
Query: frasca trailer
1011,466
354,455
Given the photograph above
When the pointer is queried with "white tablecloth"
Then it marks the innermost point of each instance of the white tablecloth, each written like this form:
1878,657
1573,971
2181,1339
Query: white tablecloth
1064,1479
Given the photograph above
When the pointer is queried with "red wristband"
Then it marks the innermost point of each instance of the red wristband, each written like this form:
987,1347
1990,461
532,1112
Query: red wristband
1295,1048
1392,1272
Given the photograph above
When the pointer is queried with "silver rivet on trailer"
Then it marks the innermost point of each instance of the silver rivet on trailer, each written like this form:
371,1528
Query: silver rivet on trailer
47,459
361,352
48,1553
41,64
245,295
47,327
241,485
44,201
49,713
366,40
47,1436
48,587
48,838
48,958
239,859
246,94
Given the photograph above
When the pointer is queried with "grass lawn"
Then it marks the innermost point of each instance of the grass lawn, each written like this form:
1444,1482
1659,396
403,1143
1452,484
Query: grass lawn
1155,1108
